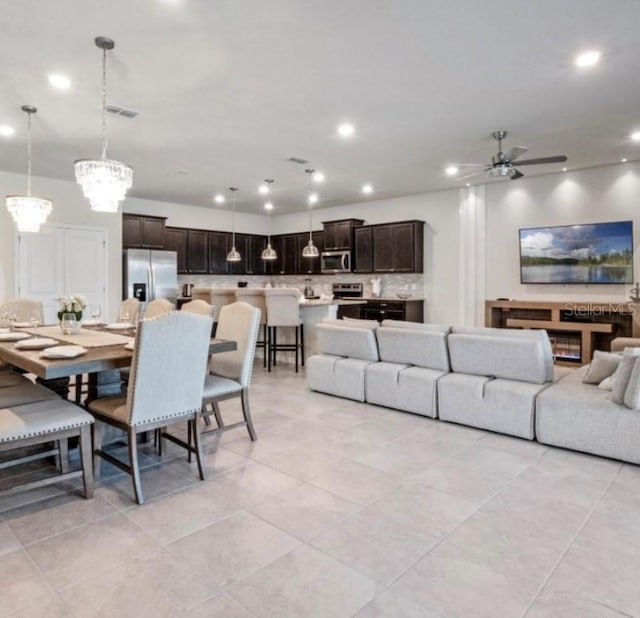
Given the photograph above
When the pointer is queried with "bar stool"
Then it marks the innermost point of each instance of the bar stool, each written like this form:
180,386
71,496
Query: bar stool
283,309
256,298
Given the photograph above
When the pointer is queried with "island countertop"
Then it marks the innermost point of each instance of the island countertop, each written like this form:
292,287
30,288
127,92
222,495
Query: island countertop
319,302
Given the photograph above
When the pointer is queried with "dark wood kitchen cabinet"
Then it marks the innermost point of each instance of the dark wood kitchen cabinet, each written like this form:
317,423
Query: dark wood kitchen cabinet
218,246
338,235
255,265
309,266
143,232
363,250
197,254
175,239
406,310
397,248
286,246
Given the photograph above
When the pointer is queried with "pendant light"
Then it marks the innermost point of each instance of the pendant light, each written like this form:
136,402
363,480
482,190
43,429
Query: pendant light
310,250
28,211
269,253
233,255
104,181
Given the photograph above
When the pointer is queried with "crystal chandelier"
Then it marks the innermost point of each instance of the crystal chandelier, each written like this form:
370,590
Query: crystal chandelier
269,253
28,211
310,250
104,181
233,255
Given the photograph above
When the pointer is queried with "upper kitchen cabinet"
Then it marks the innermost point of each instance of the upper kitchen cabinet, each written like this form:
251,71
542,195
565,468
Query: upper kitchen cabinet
390,248
197,254
175,239
338,235
143,231
398,247
309,266
219,244
286,246
255,245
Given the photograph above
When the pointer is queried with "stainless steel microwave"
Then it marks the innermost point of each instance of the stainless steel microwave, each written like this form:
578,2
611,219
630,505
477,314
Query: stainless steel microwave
335,262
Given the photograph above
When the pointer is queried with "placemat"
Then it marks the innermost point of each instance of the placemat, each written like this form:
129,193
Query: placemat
87,338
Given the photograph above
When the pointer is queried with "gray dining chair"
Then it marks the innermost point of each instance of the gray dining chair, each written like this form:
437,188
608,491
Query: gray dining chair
168,370
230,372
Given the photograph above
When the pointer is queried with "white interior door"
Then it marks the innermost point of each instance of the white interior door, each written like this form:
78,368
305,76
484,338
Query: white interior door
61,260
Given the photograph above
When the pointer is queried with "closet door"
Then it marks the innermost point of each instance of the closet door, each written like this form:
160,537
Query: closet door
58,261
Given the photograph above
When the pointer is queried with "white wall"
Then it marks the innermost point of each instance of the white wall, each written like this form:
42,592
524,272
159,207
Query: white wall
439,210
609,193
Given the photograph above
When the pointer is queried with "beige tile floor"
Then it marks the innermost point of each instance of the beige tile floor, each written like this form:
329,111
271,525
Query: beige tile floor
340,509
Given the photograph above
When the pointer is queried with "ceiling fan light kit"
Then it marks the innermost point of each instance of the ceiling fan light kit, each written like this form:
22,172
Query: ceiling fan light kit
104,182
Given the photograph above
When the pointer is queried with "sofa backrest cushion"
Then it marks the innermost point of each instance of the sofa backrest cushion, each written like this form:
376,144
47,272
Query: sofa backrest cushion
413,347
502,353
351,342
438,328
355,323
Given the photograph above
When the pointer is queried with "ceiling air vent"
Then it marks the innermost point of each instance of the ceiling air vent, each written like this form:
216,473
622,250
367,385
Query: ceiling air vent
122,111
298,160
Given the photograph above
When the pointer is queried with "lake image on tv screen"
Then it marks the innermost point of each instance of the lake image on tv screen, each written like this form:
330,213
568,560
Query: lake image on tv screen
593,253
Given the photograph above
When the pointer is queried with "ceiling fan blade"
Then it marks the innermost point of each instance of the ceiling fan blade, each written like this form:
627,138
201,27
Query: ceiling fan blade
557,159
469,175
515,152
517,175
469,164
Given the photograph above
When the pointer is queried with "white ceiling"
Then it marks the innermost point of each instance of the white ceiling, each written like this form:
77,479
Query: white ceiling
228,90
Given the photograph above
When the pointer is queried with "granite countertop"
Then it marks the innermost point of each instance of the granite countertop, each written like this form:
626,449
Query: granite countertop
386,299
318,302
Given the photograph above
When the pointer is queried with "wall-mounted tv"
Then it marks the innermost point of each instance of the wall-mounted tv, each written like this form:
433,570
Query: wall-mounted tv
589,253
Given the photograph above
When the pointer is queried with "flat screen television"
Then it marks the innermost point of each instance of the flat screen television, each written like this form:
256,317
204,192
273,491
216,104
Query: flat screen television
589,253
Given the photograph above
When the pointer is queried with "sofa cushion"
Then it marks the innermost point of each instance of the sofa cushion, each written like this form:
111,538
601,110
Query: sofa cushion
352,342
632,392
335,375
413,347
582,417
525,357
602,366
351,322
623,373
439,328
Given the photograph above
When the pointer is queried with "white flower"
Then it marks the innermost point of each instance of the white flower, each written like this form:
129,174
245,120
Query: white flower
74,303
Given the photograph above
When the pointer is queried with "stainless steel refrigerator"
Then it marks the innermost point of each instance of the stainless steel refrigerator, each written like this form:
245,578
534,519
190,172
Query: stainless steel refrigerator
149,274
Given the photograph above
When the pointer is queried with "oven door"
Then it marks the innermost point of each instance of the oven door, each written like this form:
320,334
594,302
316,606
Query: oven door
335,262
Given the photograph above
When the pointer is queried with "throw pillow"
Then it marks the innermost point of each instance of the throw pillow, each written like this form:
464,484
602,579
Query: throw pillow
606,384
632,394
602,366
623,373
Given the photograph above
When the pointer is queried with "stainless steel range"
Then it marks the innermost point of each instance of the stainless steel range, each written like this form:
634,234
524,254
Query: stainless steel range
347,290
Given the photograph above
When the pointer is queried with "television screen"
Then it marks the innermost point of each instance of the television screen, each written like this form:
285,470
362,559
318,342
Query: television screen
590,253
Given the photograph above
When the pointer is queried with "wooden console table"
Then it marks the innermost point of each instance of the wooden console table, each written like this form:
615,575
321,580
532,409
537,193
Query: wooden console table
576,329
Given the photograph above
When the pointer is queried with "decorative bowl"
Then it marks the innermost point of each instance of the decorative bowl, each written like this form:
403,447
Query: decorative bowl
403,295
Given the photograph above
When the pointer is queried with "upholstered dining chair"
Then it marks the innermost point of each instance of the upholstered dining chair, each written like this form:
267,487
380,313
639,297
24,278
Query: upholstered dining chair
168,371
130,307
201,307
157,307
256,298
283,310
230,372
23,309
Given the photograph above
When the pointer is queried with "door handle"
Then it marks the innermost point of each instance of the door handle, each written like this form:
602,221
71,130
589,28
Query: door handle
344,260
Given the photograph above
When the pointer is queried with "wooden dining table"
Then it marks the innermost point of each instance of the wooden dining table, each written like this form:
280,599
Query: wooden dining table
102,364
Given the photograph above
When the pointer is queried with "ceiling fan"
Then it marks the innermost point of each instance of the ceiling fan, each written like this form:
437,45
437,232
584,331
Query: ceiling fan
503,164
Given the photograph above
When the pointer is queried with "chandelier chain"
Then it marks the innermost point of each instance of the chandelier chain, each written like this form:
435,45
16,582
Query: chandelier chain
104,103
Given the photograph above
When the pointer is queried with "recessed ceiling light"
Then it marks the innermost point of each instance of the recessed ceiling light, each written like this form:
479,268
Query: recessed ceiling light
263,189
61,82
268,206
7,131
367,189
313,198
219,198
635,136
564,169
346,130
624,160
318,177
588,58
451,170
468,184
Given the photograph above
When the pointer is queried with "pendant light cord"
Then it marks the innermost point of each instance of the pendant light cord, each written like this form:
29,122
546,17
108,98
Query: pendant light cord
310,172
233,218
29,154
104,103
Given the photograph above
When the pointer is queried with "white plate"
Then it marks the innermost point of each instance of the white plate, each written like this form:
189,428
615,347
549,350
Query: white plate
63,351
4,330
119,326
22,324
13,336
129,346
37,343
92,322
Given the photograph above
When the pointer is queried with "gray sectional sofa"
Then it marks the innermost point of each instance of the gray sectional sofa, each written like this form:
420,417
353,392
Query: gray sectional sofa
496,379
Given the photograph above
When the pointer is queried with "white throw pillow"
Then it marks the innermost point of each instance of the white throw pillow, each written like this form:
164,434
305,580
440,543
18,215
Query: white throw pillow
602,366
623,373
632,393
606,384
